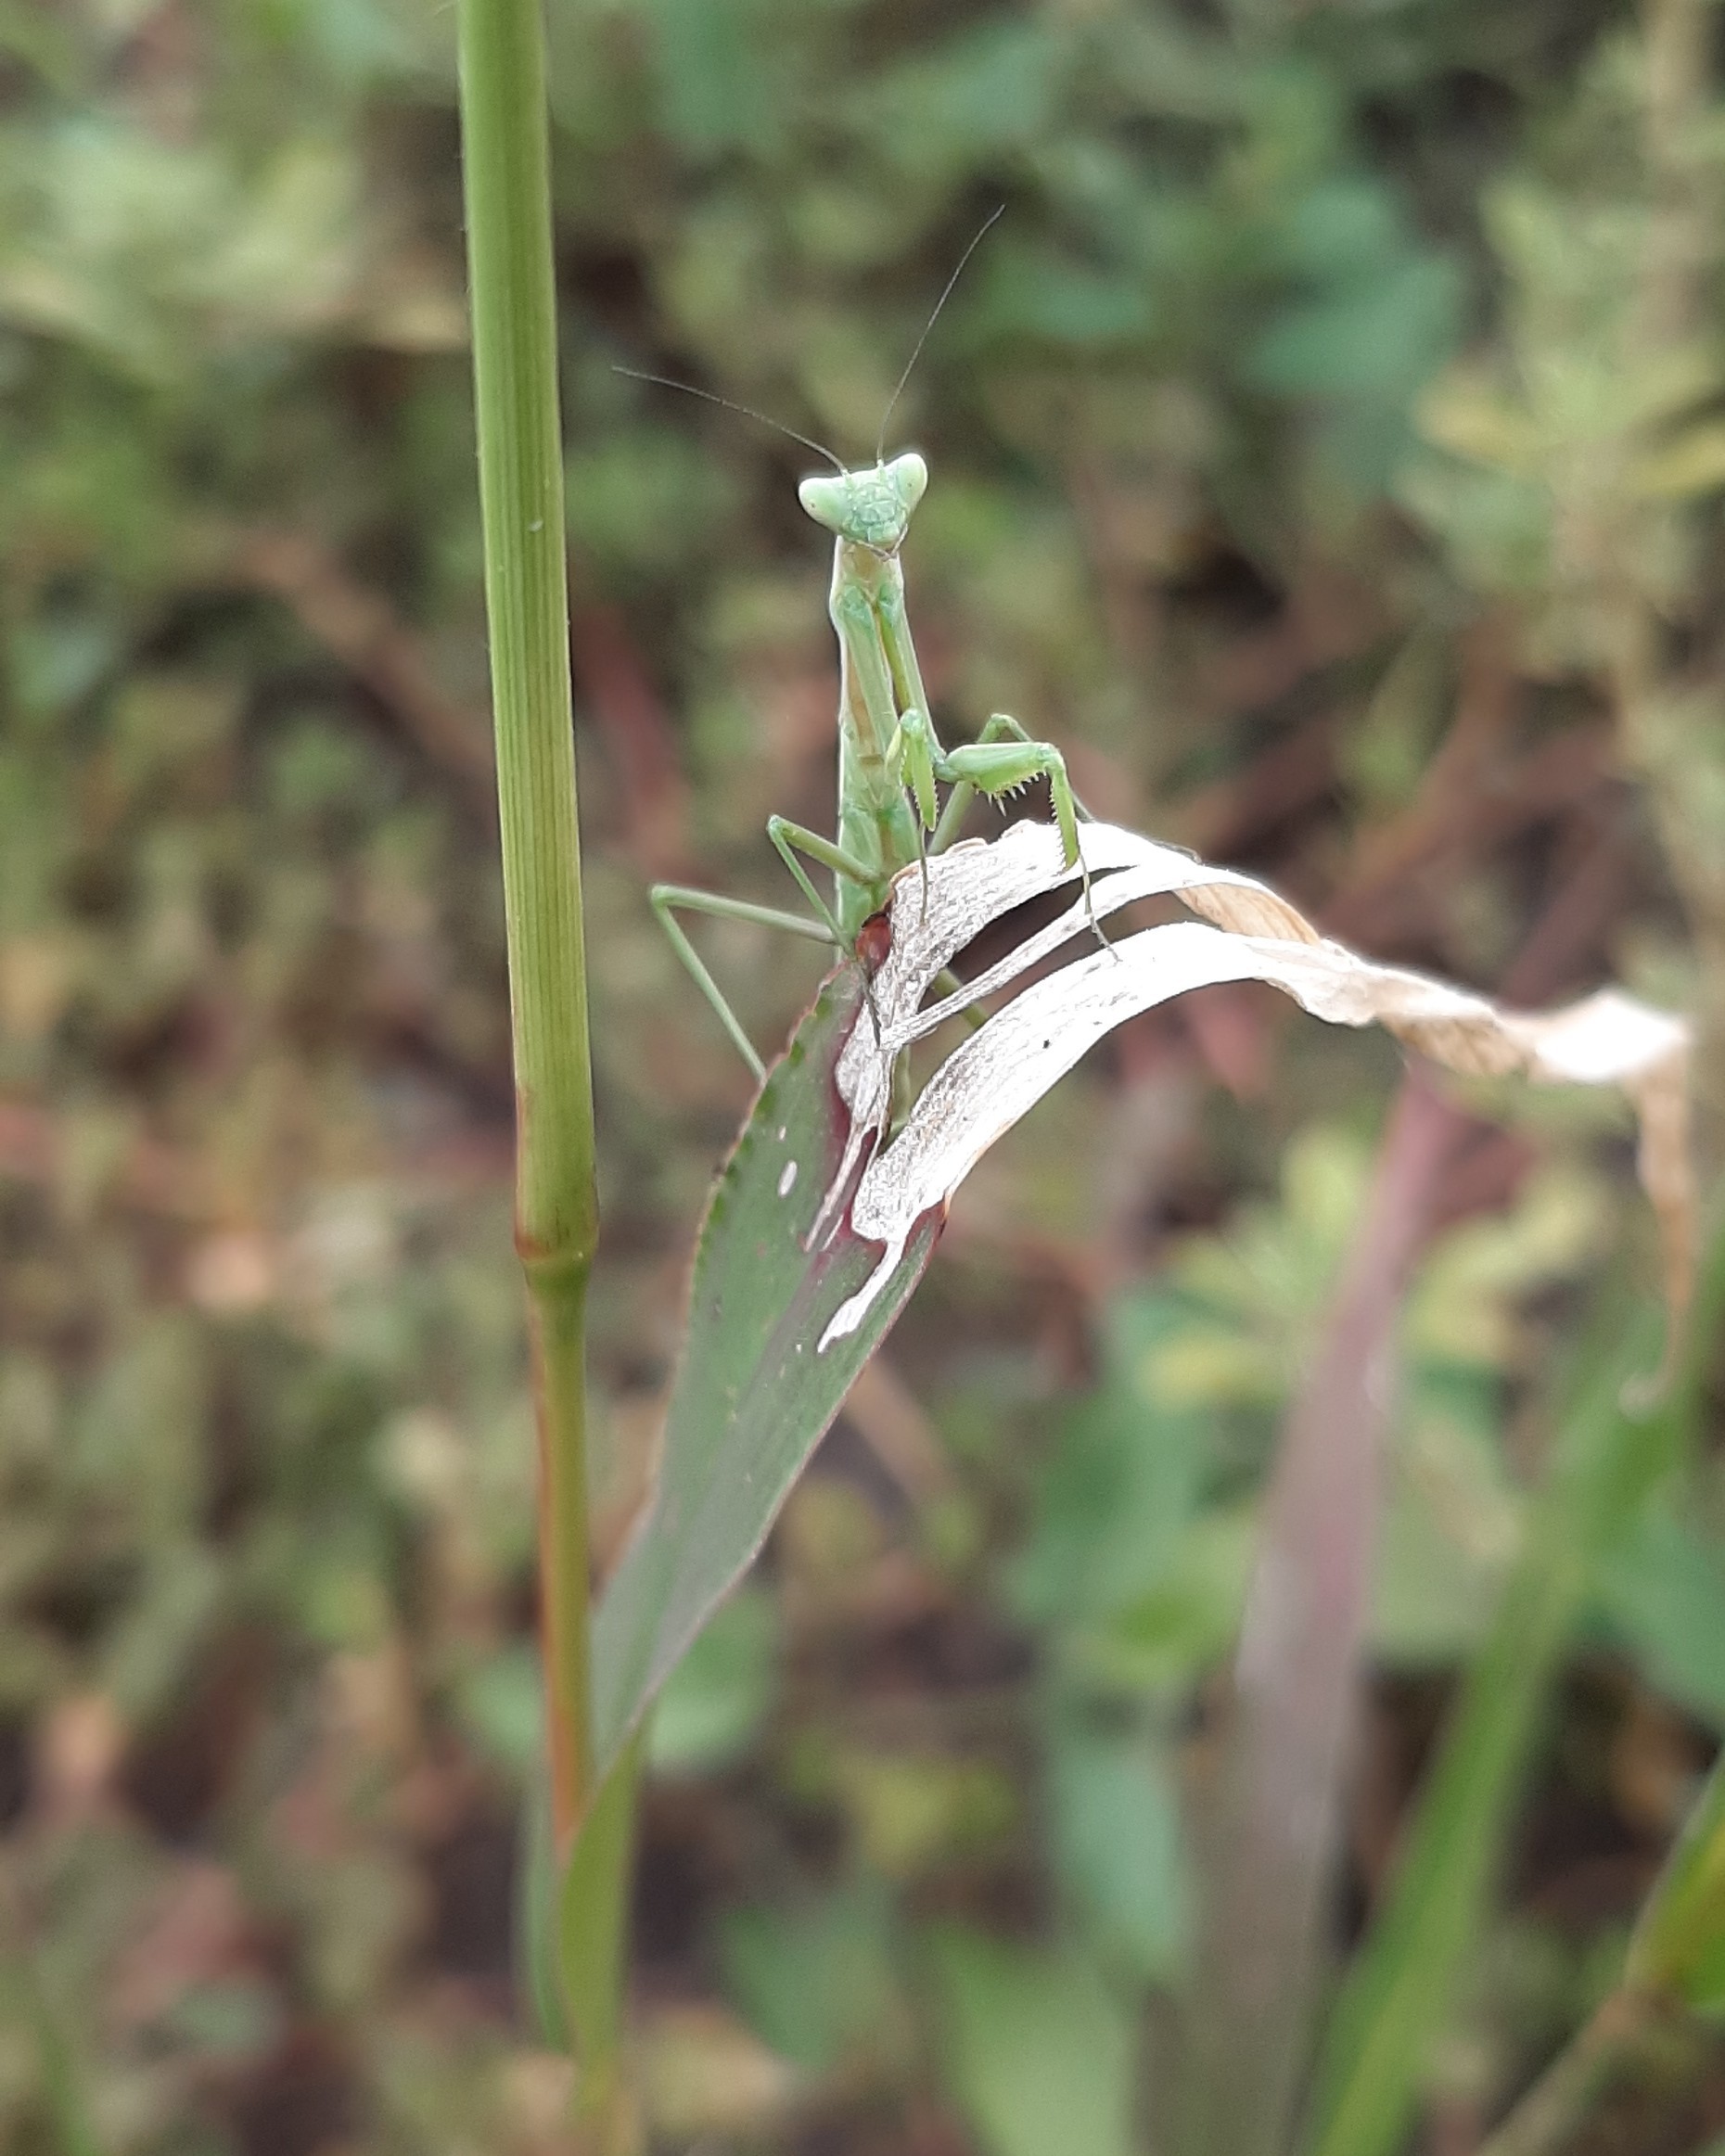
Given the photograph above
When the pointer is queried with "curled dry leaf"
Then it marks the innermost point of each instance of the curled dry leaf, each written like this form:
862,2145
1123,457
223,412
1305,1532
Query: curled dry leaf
1245,932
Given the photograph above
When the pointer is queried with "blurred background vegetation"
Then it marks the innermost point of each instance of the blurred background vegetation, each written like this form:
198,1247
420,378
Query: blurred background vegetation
1327,449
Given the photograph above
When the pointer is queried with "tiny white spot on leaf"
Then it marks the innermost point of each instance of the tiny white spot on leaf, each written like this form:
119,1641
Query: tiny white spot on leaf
788,1179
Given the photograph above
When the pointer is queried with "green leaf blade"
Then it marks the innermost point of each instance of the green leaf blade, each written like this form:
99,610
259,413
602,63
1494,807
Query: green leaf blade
755,1391
1679,1943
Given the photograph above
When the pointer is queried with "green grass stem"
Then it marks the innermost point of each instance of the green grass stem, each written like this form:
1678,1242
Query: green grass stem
507,171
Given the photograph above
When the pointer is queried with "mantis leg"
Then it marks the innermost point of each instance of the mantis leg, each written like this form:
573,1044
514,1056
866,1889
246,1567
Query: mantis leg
794,839
1000,767
914,744
668,899
1000,726
872,698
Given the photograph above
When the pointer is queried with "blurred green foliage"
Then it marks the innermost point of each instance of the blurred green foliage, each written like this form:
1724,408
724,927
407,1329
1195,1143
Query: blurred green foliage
1326,451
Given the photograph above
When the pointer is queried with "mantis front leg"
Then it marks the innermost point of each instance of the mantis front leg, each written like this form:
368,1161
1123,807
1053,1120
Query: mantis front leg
1004,758
1001,761
1000,727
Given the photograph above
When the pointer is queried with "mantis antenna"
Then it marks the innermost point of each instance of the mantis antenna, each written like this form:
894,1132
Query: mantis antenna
730,404
790,433
983,230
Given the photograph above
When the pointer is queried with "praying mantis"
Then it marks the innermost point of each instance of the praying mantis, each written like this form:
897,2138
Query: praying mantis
891,764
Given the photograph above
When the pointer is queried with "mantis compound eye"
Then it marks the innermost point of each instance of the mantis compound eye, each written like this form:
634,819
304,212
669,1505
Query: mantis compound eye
826,498
908,476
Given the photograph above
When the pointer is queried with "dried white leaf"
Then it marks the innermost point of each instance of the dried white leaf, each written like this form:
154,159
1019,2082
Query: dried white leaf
1246,933
943,904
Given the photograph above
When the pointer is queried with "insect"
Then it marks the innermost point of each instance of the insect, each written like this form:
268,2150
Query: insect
891,762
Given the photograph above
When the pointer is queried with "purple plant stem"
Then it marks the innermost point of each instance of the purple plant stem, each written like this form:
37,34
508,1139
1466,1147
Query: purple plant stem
1280,1782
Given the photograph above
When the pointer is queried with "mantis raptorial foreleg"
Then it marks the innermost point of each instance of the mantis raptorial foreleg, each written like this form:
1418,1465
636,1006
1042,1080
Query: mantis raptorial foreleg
1001,761
1000,726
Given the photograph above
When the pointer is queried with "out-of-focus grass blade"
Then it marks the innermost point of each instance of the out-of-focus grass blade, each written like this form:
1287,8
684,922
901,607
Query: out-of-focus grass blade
1274,1826
1676,1961
1679,1946
755,1390
1606,1456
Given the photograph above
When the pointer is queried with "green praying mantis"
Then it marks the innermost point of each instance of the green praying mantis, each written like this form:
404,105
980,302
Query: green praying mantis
891,764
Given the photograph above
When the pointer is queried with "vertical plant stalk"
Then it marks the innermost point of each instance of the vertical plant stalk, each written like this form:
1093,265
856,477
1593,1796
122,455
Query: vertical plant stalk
1277,1805
505,169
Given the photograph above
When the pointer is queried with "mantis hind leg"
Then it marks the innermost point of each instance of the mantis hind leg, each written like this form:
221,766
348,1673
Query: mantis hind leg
669,900
793,842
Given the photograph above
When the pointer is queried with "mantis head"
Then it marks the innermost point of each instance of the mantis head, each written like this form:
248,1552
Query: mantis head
871,507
